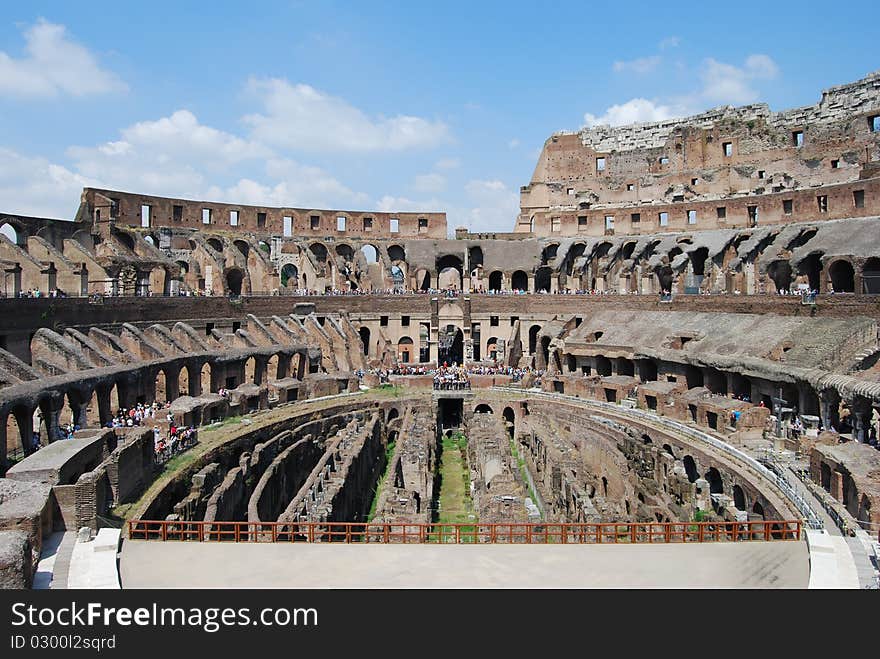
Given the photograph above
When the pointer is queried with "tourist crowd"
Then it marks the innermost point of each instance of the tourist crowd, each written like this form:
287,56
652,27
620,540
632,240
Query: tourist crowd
177,440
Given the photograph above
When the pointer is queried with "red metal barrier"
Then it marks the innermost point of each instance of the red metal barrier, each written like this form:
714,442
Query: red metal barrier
550,533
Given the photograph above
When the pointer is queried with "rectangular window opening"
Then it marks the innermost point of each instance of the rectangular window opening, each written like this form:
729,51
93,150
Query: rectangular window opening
404,321
395,225
692,217
233,218
206,216
874,123
728,149
859,198
822,201
177,213
787,206
835,164
797,138
493,321
582,222
288,226
664,219
368,224
555,224
721,212
340,223
383,321
753,215
635,218
261,220
315,222
145,215
630,187
600,164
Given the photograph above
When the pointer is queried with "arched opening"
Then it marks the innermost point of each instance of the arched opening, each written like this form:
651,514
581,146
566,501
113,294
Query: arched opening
11,233
205,378
602,250
690,468
542,280
575,252
781,274
183,388
510,419
405,350
549,253
449,272
698,261
150,240
495,281
739,498
665,276
716,486
871,276
319,252
604,486
627,251
365,339
758,509
243,248
234,280
646,439
345,251
482,408
392,414
864,514
626,367
451,346
161,386
370,254
396,253
492,348
289,276
842,277
603,365
475,258
264,247
811,266
272,374
519,281
534,330
250,371
216,244
398,277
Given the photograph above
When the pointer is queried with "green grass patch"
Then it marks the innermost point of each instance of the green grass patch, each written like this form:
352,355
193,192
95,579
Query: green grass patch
380,483
454,503
523,470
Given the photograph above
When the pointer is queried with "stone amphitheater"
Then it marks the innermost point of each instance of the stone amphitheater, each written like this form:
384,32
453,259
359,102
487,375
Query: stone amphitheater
666,374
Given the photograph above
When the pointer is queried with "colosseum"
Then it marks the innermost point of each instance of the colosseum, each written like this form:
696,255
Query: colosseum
665,374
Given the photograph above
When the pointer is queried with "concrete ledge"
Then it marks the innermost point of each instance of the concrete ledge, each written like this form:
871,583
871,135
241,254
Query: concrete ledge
831,562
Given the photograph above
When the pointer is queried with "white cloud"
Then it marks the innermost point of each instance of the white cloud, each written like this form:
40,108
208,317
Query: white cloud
669,42
512,144
302,117
53,65
390,204
726,83
429,183
447,163
641,66
722,84
37,187
493,206
637,110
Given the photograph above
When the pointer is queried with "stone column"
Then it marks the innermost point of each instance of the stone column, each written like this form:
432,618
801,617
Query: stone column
860,410
829,399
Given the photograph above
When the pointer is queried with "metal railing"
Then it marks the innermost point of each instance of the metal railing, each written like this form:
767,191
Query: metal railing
538,533
812,519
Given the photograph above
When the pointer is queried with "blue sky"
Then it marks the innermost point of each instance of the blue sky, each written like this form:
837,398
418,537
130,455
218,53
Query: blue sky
380,105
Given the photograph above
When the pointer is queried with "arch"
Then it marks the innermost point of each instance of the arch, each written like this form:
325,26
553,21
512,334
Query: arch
365,339
646,439
475,257
14,232
534,330
549,252
690,468
758,509
492,348
161,386
242,247
519,281
451,346
346,251
393,413
665,276
183,385
698,260
445,265
626,366
272,366
781,274
601,250
216,244
495,281
603,365
405,350
627,251
842,276
739,498
483,408
542,279
126,240
545,349
289,275
604,486
716,485
250,371
371,254
264,247
205,378
150,240
319,252
871,276
694,376
811,266
396,253
234,281
184,267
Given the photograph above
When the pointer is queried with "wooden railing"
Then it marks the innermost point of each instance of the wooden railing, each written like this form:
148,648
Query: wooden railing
380,533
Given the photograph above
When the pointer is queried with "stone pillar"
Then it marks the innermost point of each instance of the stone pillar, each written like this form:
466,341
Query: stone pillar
3,420
554,284
829,399
104,411
50,411
433,342
860,410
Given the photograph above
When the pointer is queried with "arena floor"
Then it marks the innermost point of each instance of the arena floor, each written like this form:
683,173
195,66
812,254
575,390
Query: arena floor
151,564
